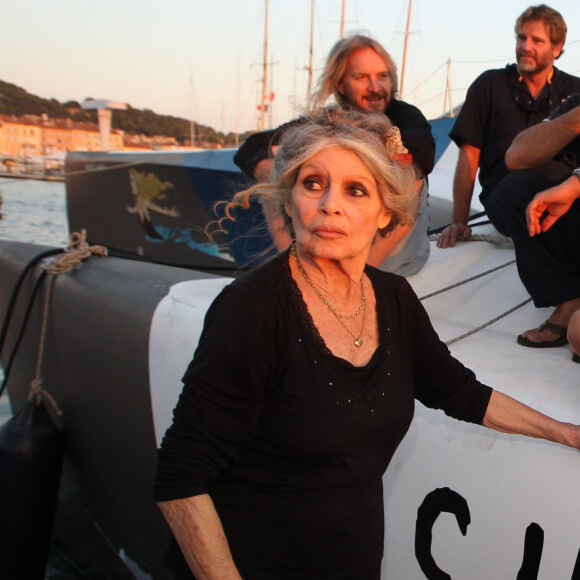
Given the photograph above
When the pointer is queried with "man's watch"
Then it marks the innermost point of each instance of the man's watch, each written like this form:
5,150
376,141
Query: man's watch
576,172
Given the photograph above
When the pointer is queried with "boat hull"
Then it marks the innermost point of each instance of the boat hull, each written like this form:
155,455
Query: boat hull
458,498
96,368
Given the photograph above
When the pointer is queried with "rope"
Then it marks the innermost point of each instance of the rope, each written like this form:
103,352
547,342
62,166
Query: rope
488,323
36,390
493,238
479,237
457,284
18,341
16,291
77,251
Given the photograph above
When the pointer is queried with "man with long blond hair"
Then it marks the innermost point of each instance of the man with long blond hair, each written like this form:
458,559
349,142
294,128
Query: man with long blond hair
360,74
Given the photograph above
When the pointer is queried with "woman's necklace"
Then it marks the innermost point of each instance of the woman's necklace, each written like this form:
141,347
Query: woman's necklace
363,304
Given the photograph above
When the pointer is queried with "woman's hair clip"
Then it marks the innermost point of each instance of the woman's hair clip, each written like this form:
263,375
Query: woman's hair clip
395,148
403,158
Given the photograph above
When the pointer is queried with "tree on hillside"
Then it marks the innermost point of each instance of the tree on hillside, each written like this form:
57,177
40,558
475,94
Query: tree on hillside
16,101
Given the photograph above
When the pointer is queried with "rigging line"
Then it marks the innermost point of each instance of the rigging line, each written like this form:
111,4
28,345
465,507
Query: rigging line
482,61
488,323
462,282
431,75
444,64
456,90
435,97
153,158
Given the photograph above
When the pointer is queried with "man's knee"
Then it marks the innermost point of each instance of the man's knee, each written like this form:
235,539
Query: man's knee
517,189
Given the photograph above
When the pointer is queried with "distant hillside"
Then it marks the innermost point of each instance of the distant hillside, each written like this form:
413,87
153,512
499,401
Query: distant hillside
16,101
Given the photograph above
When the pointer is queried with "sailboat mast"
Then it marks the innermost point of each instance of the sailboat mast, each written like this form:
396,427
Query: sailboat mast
264,72
271,93
448,90
405,48
238,103
309,67
192,123
342,19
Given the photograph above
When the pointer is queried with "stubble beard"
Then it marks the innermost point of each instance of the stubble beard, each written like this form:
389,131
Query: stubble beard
529,68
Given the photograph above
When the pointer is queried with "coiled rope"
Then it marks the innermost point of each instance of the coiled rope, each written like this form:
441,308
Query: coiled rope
76,252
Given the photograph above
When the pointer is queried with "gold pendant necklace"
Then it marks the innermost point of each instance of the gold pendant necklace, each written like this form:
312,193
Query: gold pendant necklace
363,304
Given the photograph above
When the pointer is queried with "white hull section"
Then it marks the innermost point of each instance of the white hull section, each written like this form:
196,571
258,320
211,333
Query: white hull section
508,482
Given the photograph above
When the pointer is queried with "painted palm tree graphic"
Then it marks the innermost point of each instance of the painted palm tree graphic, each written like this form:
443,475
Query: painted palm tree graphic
149,193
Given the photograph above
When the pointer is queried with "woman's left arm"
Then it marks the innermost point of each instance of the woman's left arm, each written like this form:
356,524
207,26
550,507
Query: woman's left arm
510,416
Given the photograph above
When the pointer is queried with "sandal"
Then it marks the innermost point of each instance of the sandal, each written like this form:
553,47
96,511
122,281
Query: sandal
555,328
576,357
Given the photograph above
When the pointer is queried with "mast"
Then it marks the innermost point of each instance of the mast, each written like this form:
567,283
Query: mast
271,93
264,72
448,90
238,104
309,67
192,123
405,48
342,20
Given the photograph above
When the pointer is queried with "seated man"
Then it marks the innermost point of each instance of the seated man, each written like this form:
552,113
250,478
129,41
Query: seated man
501,103
548,264
542,213
360,73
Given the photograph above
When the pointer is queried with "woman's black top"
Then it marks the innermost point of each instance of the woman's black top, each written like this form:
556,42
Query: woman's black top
290,441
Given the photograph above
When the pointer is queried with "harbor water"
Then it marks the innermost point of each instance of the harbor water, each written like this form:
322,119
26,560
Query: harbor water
32,211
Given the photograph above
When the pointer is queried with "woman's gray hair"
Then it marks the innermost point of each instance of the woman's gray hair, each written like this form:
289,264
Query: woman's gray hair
368,135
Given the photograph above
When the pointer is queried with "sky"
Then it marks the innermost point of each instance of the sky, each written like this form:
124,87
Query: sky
202,59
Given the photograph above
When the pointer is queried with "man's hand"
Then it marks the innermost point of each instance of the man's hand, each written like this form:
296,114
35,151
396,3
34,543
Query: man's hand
463,181
552,203
457,230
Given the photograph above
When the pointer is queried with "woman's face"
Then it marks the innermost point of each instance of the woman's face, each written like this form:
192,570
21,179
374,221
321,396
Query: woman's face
335,206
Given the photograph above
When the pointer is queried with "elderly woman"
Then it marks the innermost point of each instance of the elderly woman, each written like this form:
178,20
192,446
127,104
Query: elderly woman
305,377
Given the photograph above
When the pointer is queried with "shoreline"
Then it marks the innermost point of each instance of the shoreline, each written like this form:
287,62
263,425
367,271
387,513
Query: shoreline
35,176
